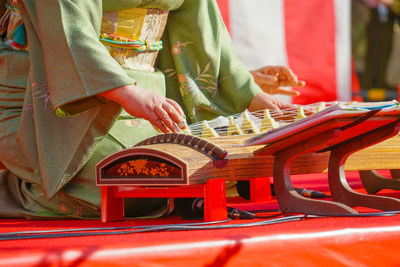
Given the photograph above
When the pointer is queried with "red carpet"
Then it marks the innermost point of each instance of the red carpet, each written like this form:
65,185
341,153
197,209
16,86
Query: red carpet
371,241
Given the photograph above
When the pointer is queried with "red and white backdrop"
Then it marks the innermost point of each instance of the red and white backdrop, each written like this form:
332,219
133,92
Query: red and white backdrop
312,37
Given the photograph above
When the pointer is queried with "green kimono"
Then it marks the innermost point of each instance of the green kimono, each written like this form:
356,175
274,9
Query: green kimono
53,126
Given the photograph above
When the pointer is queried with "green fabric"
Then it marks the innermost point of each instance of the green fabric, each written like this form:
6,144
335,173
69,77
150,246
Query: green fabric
54,156
74,30
204,75
113,5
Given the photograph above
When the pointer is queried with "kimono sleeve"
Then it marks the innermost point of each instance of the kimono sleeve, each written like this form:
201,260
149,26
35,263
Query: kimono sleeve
78,67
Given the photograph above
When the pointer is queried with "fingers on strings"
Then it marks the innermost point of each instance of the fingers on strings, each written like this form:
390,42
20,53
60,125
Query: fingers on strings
170,117
158,124
179,120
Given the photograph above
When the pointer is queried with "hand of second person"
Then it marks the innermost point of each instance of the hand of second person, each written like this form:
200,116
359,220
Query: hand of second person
271,78
162,112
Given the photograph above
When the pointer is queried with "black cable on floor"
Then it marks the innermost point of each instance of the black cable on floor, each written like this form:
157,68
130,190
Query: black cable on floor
176,227
105,228
233,213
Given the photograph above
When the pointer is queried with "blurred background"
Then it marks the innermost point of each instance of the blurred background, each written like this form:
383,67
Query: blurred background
344,49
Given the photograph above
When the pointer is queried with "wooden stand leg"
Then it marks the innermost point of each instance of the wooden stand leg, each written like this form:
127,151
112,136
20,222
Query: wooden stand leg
289,200
374,182
215,200
260,190
395,174
339,187
112,208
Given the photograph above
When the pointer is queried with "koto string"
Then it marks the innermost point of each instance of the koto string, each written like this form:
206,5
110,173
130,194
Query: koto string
220,124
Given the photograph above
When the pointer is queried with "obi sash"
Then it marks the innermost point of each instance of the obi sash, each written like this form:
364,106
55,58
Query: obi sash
132,36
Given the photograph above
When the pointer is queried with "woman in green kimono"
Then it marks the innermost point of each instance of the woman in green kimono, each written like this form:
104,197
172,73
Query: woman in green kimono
66,102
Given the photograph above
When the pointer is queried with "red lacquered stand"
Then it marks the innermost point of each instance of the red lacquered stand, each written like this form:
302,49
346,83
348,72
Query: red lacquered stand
260,190
213,192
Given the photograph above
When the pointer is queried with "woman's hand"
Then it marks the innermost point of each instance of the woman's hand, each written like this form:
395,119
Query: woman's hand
270,78
263,100
162,112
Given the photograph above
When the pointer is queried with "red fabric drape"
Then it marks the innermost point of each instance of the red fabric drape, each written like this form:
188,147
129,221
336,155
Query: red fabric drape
224,8
310,42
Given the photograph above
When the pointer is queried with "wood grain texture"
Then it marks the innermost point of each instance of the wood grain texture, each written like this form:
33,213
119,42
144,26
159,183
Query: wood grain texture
242,164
